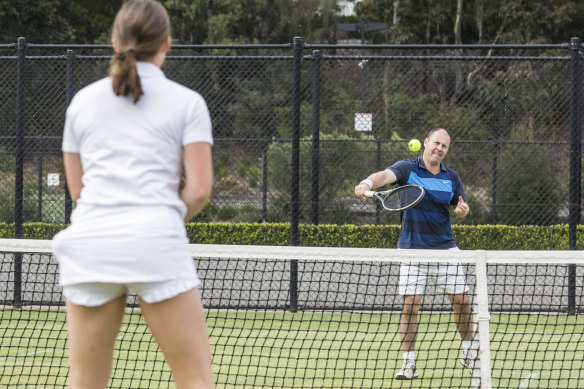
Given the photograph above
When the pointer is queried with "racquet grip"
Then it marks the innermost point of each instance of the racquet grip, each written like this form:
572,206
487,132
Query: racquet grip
369,193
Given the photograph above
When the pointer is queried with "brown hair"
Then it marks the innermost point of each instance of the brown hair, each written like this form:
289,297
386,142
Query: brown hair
140,29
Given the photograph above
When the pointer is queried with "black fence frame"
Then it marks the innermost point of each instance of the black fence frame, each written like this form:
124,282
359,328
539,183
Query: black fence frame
298,49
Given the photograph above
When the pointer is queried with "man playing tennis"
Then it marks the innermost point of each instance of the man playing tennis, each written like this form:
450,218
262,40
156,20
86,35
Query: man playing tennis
427,226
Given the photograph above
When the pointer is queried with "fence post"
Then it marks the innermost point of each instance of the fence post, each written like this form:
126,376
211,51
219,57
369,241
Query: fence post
69,91
315,136
40,156
19,157
494,189
377,168
19,168
575,165
265,147
295,179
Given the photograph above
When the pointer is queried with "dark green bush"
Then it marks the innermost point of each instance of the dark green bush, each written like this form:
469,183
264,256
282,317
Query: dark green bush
226,212
528,193
487,237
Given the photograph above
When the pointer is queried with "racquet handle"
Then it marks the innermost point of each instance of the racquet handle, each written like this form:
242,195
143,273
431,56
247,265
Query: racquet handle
369,193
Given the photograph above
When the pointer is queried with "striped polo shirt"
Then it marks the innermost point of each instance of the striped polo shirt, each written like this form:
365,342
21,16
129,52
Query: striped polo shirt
427,225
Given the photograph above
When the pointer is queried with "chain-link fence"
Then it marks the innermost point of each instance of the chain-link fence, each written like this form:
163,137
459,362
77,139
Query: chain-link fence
297,126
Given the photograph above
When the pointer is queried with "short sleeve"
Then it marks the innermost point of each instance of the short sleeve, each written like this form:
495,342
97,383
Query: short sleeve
402,170
198,123
70,139
458,189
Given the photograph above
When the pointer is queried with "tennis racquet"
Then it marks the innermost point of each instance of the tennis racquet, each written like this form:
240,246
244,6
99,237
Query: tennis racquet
399,199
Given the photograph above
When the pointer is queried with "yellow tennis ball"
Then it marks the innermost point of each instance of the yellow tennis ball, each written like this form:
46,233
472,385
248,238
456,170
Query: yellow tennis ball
414,145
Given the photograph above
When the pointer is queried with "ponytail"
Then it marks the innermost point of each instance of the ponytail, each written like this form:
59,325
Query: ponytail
140,29
126,80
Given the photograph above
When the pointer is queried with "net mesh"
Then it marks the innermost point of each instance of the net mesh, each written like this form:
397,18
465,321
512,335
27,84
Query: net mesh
289,317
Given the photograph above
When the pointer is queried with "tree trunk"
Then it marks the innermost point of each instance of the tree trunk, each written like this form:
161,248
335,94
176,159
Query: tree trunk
210,25
387,72
480,11
429,22
459,79
458,22
395,22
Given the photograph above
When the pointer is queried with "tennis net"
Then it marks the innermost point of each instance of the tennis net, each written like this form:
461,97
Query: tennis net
312,317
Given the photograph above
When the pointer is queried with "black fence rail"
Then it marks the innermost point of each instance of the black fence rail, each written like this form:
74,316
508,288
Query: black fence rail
297,125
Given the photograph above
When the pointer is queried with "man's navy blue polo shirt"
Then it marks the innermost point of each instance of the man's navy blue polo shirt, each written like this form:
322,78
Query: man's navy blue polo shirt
427,225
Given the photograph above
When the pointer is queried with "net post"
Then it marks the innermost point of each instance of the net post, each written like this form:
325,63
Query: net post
483,317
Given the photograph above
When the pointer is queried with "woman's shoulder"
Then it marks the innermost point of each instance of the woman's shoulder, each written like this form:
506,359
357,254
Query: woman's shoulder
90,93
182,90
98,87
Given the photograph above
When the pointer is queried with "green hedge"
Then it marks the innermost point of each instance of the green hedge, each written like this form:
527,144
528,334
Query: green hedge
486,237
31,230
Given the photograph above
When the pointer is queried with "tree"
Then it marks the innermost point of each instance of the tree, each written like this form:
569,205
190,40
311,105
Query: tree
57,21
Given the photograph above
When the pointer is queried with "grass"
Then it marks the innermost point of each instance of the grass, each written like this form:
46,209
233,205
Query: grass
253,349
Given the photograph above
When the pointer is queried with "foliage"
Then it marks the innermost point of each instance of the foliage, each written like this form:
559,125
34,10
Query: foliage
277,21
29,204
342,161
57,21
258,91
528,193
513,96
491,237
227,212
503,21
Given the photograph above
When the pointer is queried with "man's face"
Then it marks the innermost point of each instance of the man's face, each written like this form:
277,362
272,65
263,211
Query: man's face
436,147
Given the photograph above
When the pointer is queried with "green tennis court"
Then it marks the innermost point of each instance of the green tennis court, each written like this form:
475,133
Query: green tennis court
257,349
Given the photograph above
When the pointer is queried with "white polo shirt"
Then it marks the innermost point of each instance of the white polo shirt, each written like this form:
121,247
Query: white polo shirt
128,223
132,153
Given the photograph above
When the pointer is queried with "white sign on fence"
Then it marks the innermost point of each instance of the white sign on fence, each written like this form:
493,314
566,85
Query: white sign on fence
363,122
53,179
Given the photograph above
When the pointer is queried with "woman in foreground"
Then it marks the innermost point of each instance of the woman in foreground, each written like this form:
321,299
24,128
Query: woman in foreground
127,140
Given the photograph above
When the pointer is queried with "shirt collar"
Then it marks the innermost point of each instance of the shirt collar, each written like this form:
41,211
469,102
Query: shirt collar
148,69
423,165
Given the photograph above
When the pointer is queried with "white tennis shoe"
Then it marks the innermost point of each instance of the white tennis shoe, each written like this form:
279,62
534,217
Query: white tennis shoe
469,359
407,372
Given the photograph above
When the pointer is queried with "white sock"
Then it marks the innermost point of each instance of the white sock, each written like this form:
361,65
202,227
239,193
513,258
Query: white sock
470,344
409,356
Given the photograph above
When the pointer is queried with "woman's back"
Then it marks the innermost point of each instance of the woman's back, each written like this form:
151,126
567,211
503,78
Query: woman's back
132,153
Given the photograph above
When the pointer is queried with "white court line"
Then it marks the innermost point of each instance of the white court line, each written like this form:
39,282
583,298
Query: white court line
525,383
33,353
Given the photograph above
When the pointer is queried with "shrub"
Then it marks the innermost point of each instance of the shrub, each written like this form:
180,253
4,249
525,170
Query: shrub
226,212
527,193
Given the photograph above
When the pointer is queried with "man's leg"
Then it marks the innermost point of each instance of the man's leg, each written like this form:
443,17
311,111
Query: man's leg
464,323
408,328
408,323
462,315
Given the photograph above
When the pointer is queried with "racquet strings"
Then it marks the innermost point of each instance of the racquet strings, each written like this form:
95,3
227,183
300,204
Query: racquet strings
403,197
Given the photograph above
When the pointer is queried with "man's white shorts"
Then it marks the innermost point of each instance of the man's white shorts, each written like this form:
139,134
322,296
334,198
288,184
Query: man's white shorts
447,278
94,294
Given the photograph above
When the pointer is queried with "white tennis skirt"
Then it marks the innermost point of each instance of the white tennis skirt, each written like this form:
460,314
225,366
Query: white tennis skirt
124,245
